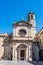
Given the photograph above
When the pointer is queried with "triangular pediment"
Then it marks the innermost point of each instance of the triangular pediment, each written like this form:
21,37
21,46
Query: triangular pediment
22,23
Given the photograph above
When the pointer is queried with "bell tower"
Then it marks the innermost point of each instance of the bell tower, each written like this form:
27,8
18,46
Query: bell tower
31,18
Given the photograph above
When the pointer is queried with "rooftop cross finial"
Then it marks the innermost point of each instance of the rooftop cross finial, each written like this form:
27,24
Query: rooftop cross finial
22,17
14,21
31,11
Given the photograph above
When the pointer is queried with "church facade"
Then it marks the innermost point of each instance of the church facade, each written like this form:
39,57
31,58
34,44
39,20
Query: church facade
23,43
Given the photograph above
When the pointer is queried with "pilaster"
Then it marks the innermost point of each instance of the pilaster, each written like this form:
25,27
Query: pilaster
14,52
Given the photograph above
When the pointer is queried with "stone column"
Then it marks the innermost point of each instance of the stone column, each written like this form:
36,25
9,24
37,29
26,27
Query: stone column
13,52
30,52
27,54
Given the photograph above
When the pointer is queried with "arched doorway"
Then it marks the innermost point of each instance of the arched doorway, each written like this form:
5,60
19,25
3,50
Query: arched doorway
11,57
21,52
41,55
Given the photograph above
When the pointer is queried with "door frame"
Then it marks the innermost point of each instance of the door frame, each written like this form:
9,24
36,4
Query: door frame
19,53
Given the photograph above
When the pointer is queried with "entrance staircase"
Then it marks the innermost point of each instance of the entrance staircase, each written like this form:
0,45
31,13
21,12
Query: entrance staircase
20,63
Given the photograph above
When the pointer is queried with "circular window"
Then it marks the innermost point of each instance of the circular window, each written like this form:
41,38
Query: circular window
22,32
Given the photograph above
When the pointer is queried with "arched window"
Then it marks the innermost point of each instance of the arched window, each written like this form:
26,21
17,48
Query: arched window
31,16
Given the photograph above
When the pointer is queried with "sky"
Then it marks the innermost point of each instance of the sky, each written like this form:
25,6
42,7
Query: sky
11,10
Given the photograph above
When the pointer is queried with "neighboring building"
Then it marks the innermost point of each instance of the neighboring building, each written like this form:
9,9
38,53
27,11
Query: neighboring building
23,43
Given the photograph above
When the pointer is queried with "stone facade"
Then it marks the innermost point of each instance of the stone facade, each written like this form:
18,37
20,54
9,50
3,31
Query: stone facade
23,43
